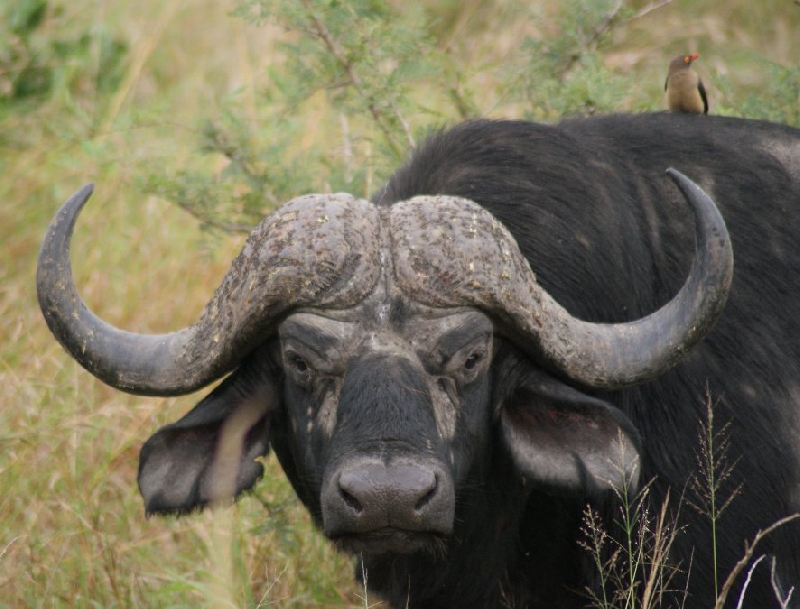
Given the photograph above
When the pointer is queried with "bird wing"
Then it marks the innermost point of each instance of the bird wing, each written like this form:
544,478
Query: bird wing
701,88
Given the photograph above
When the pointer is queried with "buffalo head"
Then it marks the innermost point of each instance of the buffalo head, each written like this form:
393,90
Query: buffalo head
383,351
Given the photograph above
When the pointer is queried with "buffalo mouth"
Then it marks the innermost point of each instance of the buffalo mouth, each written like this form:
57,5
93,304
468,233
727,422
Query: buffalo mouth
390,540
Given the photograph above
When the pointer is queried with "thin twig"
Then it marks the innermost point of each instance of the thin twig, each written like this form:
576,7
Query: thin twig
8,545
264,601
590,44
320,31
749,550
784,602
229,227
606,25
653,6
748,579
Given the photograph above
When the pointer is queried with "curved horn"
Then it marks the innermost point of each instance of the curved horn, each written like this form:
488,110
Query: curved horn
475,261
318,249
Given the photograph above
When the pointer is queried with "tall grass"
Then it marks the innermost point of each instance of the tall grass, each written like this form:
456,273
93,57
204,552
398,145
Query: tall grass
634,565
72,529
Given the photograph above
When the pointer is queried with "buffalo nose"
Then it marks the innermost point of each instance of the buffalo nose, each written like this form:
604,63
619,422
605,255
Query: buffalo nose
371,495
372,487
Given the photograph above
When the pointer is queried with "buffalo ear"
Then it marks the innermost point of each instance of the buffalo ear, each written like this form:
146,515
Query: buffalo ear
563,439
209,456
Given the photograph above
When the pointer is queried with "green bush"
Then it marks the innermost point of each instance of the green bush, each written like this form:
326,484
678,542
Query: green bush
38,60
374,75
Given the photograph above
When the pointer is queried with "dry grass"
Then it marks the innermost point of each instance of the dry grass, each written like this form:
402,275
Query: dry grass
72,529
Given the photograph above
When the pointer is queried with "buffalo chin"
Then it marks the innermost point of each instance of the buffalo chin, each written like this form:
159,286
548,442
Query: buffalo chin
391,541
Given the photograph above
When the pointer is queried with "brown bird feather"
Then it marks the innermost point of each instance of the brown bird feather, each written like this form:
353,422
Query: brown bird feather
685,89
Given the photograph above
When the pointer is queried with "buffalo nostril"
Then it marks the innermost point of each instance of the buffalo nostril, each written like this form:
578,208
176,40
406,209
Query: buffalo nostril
426,498
351,502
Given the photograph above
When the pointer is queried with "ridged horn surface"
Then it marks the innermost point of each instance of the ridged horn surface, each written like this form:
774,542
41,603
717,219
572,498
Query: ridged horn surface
451,252
319,250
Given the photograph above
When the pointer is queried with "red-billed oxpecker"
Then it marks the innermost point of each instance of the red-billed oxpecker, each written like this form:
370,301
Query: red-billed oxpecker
685,89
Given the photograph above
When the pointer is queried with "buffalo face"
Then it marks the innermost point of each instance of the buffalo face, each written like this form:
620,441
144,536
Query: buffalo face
388,417
385,418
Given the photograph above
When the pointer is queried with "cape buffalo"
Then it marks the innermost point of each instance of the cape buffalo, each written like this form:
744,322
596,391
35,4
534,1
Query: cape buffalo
517,326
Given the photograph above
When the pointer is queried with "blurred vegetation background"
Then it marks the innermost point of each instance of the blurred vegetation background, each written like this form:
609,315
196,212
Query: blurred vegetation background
195,118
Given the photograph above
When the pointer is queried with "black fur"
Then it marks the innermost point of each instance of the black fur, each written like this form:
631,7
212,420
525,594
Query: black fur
611,238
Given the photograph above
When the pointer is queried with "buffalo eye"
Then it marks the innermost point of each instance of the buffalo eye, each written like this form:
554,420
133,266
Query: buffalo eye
298,368
300,365
472,361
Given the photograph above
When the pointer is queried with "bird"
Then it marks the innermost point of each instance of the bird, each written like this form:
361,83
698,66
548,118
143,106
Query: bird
685,89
